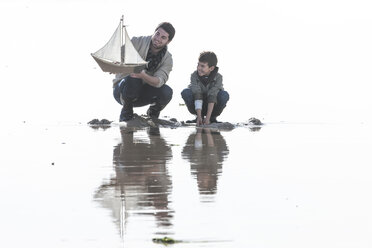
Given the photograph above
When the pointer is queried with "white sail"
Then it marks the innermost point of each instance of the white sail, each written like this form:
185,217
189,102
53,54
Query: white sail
110,59
111,51
131,55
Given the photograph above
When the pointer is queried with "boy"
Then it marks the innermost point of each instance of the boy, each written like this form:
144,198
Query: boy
205,96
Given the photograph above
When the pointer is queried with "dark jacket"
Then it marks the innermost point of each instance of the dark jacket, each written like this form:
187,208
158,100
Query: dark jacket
142,45
209,90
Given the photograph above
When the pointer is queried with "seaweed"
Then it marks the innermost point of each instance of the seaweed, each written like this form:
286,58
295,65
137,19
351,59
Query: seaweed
165,240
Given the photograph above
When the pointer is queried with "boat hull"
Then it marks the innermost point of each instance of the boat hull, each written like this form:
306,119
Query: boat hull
125,69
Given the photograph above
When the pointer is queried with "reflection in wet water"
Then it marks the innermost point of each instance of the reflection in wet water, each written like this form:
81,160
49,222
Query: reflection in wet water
206,150
141,184
274,191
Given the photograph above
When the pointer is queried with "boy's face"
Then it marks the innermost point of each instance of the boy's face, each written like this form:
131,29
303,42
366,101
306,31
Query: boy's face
204,69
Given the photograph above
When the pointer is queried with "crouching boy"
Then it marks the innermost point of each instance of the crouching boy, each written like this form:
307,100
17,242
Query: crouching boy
205,96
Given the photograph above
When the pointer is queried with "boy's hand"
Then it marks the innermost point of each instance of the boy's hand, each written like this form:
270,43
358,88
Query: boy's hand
199,121
207,121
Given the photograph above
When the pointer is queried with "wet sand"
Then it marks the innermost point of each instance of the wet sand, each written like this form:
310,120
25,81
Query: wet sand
304,182
286,185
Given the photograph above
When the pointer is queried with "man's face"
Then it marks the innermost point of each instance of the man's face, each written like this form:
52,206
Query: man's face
160,38
204,69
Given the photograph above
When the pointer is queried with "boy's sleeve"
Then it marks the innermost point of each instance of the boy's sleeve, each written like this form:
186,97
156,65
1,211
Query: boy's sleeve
213,91
195,87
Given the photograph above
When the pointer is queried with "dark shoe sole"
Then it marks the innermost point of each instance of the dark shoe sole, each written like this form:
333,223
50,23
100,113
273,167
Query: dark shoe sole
126,118
191,121
152,114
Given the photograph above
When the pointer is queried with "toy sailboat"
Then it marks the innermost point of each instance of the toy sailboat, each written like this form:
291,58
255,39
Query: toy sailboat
110,58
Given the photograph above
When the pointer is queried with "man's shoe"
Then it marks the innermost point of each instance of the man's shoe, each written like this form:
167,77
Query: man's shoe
127,110
153,113
126,114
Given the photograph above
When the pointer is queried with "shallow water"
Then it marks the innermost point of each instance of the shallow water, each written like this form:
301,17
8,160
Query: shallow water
286,185
64,184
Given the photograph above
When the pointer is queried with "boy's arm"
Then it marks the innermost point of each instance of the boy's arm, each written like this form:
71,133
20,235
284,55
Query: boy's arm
195,87
213,91
198,97
199,118
209,113
198,109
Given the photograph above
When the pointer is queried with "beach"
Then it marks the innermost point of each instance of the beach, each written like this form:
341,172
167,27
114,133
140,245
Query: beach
285,185
302,179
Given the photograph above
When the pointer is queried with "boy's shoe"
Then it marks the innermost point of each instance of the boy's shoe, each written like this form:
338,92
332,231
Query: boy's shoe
153,113
191,121
126,114
214,120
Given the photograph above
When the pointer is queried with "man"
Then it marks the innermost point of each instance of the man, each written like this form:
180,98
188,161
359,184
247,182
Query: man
148,86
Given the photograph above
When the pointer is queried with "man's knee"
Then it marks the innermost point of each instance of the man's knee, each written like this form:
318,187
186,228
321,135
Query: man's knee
116,93
166,93
132,88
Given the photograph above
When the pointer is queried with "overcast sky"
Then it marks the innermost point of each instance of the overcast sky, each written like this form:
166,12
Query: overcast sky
281,60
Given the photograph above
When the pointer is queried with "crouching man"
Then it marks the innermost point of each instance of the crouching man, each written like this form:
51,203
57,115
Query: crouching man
147,87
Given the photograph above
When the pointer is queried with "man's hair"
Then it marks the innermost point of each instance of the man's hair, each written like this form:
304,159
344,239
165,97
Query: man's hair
209,57
167,28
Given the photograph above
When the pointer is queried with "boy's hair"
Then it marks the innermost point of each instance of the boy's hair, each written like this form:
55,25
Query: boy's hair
209,57
167,28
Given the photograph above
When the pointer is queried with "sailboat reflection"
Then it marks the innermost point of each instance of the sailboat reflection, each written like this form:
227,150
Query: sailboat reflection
141,184
206,151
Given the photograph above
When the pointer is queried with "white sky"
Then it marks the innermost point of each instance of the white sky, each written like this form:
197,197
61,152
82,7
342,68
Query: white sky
281,60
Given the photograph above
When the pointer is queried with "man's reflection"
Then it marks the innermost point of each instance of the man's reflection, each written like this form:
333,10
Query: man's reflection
141,183
206,151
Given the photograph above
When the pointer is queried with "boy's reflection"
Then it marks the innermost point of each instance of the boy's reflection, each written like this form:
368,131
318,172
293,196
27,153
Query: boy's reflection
206,150
141,178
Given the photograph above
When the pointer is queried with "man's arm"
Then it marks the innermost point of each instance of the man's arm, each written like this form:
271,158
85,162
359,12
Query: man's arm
151,80
161,75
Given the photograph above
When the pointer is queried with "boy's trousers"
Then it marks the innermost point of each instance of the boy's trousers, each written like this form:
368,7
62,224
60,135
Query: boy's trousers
222,98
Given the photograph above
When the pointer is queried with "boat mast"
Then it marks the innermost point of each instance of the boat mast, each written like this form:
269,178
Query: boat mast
121,38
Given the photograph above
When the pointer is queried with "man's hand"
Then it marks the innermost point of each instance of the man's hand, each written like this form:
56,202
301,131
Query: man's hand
138,75
150,80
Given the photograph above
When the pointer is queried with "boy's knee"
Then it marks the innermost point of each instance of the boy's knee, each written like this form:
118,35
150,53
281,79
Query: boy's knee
186,94
223,96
